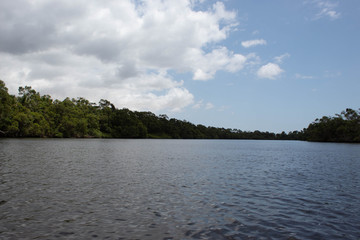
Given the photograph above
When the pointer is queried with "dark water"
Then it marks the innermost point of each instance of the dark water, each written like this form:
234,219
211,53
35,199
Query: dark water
178,189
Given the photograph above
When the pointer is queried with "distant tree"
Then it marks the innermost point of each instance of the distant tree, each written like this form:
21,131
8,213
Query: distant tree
345,127
33,115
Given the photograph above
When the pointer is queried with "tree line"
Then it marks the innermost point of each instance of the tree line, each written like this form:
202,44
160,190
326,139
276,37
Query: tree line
31,115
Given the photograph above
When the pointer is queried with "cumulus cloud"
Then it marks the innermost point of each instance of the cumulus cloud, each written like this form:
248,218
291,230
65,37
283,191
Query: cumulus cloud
252,43
118,50
270,71
204,66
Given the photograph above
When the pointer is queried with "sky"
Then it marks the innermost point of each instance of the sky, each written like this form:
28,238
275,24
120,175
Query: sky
251,65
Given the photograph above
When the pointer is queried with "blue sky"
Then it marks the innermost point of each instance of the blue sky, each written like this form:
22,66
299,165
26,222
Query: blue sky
320,66
251,65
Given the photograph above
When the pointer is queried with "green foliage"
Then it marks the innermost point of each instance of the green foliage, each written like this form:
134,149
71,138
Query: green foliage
33,115
344,127
6,104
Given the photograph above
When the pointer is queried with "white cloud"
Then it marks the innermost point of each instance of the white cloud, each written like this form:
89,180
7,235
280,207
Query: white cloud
153,90
118,50
270,70
326,9
205,66
200,104
175,100
209,106
279,59
252,43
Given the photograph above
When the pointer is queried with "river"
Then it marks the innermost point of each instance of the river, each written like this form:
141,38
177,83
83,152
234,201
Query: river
178,189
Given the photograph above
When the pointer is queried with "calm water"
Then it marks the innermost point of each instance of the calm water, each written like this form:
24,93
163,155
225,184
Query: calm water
178,189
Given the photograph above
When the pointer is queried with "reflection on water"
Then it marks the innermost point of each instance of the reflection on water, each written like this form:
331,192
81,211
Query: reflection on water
178,189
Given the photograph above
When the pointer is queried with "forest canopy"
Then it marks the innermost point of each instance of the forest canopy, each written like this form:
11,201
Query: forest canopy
33,115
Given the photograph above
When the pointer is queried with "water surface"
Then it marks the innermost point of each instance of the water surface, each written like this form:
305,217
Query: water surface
178,189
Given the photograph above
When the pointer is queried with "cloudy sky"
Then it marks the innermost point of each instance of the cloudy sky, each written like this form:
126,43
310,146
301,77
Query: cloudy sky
251,65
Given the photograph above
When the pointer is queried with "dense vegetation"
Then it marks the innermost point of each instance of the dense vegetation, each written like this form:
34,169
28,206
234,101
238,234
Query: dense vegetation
344,127
33,115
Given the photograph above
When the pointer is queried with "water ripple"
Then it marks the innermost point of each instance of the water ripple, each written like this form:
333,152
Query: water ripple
142,189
